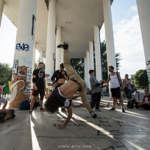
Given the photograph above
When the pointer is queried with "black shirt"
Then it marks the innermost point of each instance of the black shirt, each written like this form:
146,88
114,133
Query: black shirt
40,75
58,75
63,101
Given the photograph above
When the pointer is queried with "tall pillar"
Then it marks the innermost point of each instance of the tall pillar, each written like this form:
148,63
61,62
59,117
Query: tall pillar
41,56
22,67
97,53
1,10
85,70
88,68
144,16
109,34
58,50
51,38
62,54
91,55
33,62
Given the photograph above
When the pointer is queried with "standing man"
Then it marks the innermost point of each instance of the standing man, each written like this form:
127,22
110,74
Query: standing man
96,91
116,81
127,88
60,76
39,86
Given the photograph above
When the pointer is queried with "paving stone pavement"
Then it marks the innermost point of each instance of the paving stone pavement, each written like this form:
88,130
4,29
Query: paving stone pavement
111,130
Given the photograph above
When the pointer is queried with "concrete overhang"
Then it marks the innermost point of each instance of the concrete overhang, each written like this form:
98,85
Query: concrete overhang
76,17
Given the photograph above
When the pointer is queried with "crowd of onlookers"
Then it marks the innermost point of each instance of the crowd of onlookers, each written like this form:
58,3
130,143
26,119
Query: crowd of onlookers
119,89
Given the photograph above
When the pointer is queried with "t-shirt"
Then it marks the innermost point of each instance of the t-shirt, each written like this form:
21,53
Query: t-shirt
58,75
40,75
146,98
62,100
128,85
2,100
94,88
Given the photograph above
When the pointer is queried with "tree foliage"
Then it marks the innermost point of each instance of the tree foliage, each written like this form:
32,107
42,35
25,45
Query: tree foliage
5,73
141,79
78,65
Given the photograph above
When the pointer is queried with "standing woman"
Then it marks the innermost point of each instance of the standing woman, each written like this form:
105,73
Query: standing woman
59,77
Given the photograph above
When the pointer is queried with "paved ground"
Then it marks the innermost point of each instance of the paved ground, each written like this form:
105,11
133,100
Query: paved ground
110,131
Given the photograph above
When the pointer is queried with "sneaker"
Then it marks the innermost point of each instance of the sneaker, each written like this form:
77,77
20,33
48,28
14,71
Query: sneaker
108,104
97,110
63,110
30,111
64,46
41,109
93,114
123,110
112,109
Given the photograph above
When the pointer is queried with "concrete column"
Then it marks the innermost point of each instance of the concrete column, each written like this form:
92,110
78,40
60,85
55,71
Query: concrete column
109,34
85,70
88,68
41,56
50,38
62,54
91,55
1,10
22,67
33,62
144,16
97,53
58,50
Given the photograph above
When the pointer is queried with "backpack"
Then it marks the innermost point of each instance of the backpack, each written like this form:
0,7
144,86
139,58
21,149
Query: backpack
131,104
25,105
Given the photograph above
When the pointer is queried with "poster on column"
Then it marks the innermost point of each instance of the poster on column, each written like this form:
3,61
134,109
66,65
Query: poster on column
148,71
22,67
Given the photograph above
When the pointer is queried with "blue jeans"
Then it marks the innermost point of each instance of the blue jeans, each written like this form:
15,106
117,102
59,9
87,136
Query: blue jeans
129,94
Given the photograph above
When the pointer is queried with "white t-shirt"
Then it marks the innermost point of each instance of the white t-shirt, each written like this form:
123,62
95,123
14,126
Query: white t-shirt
114,81
2,100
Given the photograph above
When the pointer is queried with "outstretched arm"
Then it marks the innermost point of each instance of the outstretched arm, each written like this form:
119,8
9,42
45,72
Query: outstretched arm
62,126
4,106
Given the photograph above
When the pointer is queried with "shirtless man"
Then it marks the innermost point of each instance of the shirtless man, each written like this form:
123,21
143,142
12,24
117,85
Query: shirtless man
62,95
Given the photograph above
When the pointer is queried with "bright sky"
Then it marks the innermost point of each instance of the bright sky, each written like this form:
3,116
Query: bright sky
127,36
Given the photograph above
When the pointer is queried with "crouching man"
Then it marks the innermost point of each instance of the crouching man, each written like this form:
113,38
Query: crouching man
146,101
5,114
62,96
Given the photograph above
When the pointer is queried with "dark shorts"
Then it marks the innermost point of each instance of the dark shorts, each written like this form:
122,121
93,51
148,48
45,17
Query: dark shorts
41,92
116,92
129,94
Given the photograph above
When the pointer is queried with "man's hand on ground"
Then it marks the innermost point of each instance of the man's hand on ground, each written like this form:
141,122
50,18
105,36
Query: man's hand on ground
61,126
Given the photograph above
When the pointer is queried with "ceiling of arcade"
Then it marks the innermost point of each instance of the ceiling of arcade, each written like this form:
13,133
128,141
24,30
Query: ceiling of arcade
76,17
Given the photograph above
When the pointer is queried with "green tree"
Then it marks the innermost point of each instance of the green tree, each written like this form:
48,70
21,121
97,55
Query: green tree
141,79
5,73
78,65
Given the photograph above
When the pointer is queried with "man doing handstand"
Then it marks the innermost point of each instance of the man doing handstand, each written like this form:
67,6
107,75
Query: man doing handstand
63,95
